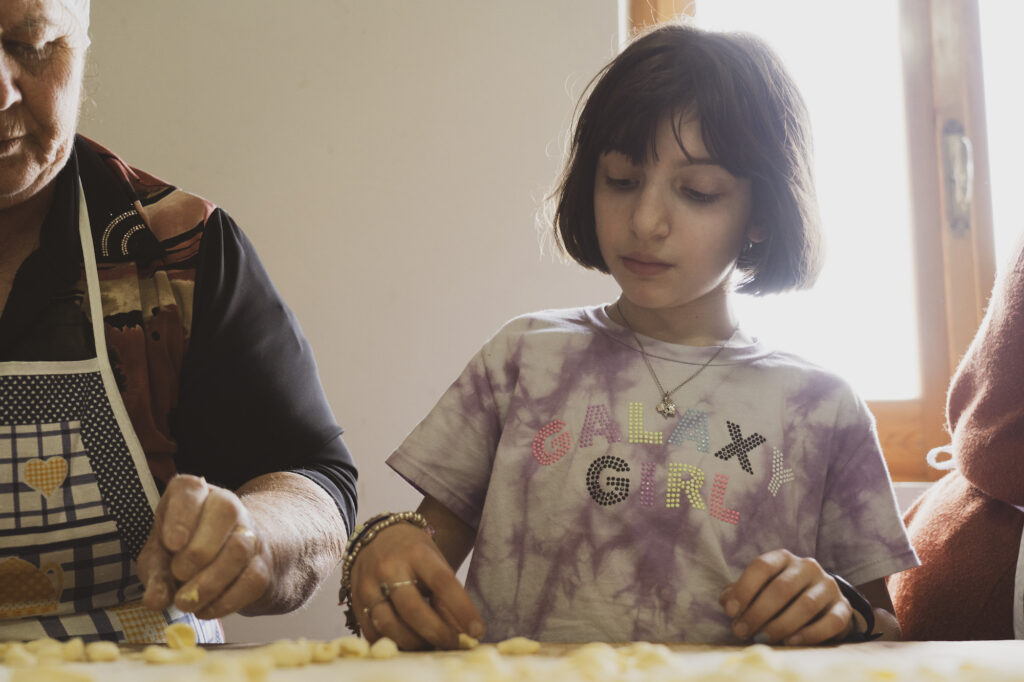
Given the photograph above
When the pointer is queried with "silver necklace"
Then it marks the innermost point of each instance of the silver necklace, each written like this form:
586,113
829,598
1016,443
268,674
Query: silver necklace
667,407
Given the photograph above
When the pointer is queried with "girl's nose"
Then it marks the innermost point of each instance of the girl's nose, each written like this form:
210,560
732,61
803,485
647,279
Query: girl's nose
651,214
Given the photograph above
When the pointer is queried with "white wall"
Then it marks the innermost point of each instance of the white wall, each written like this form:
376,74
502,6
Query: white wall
386,158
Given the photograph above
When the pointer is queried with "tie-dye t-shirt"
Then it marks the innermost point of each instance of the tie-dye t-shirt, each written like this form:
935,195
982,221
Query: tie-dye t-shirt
599,519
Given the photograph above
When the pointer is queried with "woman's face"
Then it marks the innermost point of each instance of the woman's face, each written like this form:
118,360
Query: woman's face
42,54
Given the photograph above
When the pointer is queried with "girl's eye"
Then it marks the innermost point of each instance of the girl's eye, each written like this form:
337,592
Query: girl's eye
699,197
620,183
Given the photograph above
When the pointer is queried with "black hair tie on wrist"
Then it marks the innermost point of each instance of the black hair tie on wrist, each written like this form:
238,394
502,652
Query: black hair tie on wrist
860,604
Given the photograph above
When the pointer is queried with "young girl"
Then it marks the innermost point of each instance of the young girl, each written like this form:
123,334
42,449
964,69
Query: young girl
646,469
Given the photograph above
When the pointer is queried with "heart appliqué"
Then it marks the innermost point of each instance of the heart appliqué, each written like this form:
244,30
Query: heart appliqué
46,475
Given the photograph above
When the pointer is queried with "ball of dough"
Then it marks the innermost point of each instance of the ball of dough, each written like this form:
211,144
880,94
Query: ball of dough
102,651
384,647
325,652
353,647
18,656
518,646
289,653
180,636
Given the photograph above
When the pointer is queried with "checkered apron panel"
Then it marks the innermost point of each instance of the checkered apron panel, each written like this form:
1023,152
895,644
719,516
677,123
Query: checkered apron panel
45,474
74,513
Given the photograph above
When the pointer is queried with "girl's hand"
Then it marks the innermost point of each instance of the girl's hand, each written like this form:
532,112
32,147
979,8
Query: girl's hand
790,600
431,611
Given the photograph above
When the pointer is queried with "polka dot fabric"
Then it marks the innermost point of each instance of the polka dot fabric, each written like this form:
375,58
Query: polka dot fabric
48,398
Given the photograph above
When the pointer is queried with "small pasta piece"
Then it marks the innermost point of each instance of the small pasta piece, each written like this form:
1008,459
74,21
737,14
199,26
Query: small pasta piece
102,651
73,649
37,645
353,647
518,646
180,636
192,595
288,653
18,656
467,642
384,647
595,661
325,652
486,660
159,655
647,655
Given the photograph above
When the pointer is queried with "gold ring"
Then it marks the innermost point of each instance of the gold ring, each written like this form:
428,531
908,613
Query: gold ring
366,610
386,588
246,532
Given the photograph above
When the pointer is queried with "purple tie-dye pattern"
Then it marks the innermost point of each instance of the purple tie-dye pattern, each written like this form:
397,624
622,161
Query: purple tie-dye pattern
552,563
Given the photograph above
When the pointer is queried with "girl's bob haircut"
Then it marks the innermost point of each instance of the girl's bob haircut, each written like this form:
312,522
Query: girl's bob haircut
753,123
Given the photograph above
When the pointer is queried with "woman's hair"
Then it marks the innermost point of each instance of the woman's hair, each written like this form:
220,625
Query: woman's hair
753,123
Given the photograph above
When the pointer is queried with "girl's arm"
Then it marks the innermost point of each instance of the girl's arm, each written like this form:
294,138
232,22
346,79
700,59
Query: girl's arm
435,609
793,600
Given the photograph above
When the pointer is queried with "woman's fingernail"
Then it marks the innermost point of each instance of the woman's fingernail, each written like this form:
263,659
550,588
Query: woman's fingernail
476,629
732,607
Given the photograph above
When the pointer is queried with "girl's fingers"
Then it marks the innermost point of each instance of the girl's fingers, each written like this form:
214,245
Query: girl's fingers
776,596
381,620
451,601
737,597
807,607
418,615
833,624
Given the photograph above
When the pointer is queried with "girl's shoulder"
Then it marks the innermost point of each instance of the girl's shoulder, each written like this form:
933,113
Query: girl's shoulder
809,379
582,320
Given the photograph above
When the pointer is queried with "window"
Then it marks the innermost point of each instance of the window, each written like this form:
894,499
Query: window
895,97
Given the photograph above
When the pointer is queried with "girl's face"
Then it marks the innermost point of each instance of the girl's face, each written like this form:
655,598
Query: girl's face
670,230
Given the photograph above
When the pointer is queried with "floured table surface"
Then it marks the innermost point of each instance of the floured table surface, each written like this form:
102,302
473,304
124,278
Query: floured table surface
877,661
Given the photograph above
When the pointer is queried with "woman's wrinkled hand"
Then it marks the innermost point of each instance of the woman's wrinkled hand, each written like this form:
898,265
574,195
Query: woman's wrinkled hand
788,599
205,553
403,588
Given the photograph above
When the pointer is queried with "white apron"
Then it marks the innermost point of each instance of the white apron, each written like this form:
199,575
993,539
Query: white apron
76,498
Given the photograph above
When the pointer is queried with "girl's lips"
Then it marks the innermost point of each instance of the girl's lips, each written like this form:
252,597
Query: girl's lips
644,267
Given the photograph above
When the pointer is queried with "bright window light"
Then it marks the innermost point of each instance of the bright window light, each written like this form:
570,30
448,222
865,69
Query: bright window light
859,320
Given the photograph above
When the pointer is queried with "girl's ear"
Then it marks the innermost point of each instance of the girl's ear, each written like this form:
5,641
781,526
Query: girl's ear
756,233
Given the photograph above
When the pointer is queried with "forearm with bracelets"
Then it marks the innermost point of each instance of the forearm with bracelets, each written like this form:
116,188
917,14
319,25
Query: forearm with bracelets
360,538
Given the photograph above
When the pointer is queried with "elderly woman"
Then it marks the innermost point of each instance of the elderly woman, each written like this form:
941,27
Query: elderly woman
166,450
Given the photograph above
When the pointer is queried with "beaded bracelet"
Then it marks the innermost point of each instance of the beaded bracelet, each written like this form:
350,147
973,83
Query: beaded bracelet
360,538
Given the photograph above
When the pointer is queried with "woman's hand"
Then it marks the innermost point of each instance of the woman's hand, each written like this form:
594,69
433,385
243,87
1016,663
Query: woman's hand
205,554
790,600
434,609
